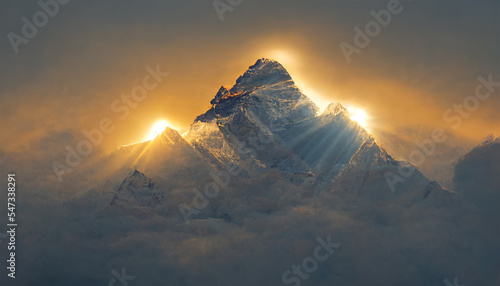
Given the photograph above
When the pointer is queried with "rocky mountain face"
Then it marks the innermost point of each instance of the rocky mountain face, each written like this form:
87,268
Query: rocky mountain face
263,123
272,132
136,190
266,116
267,127
261,175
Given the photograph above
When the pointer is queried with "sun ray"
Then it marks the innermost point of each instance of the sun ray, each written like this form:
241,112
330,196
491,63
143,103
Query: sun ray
143,151
360,116
157,129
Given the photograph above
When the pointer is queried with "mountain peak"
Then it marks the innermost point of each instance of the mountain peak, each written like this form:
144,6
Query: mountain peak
266,90
135,173
136,179
334,109
265,61
263,72
136,190
169,137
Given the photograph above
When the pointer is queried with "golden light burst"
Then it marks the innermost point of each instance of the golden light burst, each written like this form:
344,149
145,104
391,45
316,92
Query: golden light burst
157,129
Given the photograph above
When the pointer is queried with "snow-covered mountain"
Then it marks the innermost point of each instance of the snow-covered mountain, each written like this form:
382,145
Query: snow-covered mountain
265,126
296,176
265,122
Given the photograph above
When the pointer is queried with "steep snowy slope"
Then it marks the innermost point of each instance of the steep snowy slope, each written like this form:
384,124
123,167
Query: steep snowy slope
247,114
268,128
265,122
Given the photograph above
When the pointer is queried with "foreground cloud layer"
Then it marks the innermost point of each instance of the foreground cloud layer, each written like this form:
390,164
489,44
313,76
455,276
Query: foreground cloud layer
258,213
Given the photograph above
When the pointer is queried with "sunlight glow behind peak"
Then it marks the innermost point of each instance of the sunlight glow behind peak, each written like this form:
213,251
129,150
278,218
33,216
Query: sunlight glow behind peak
355,114
359,115
284,57
157,129
318,99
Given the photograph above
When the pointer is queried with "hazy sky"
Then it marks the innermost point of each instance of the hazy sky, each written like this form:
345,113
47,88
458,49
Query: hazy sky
67,76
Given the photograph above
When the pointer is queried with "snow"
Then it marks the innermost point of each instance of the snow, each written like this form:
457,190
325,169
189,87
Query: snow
303,176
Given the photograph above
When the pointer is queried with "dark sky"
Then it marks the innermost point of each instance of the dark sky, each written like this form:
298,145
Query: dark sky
67,76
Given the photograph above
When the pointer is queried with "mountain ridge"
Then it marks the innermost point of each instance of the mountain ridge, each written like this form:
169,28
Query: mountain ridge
264,122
